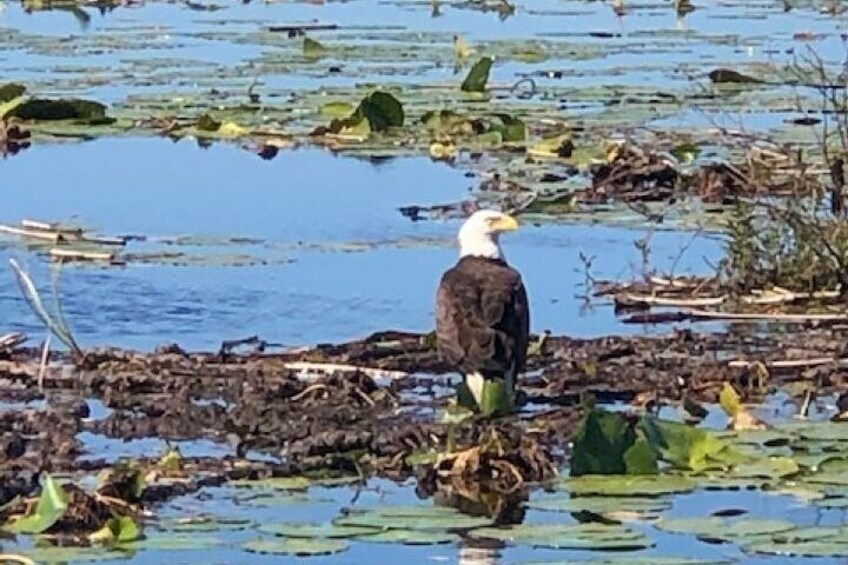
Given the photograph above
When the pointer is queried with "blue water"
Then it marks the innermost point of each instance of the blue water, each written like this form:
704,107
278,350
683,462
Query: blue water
305,207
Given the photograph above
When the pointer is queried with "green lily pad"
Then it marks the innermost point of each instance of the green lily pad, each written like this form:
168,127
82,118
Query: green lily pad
768,468
600,504
412,537
205,524
278,483
176,542
839,478
306,530
813,548
832,502
412,518
652,560
626,485
568,536
56,554
721,528
337,110
292,546
818,431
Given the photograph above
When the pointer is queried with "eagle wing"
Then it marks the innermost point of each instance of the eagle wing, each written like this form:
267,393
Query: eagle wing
482,317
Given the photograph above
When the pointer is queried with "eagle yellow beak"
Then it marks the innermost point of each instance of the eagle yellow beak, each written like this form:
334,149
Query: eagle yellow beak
505,223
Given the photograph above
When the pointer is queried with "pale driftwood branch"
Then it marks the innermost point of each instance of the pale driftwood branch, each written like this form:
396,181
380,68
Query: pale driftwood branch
55,233
762,316
650,300
10,341
51,236
779,295
78,255
791,363
675,283
306,366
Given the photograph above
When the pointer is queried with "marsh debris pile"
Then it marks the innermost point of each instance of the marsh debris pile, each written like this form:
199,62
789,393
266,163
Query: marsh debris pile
312,411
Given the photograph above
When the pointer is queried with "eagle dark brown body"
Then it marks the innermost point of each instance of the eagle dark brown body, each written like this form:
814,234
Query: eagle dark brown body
483,318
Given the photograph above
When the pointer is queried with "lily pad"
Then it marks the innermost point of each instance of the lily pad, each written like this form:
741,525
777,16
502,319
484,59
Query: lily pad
291,546
627,485
600,504
412,518
57,554
205,524
306,530
175,542
722,528
813,548
412,537
568,536
768,468
278,483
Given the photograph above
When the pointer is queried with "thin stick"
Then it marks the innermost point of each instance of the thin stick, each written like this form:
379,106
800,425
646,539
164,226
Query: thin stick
707,315
628,298
306,366
791,363
45,355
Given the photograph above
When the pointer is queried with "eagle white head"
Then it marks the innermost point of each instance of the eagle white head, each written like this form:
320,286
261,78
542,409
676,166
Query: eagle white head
478,236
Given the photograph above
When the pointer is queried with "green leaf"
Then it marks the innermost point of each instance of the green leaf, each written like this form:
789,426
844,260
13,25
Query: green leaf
312,48
497,400
171,462
291,546
512,129
684,446
117,530
382,110
601,443
478,76
729,400
52,505
11,91
640,458
6,107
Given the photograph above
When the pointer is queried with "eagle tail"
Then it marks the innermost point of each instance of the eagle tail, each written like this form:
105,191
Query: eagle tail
475,382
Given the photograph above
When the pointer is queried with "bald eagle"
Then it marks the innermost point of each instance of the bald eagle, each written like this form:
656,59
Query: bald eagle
482,315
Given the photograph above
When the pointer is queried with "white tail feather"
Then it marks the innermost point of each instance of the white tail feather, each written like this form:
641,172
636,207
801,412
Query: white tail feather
475,382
